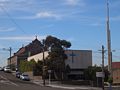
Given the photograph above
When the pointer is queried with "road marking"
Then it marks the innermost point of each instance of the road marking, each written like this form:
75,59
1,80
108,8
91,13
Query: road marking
3,77
13,83
6,81
56,86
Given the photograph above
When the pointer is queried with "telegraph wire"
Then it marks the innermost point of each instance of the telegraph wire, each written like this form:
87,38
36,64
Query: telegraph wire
10,17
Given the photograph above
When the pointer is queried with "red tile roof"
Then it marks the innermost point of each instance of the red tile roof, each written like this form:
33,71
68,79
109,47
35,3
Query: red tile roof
115,65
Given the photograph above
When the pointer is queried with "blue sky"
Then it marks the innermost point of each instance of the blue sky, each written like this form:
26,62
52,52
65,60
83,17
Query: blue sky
82,22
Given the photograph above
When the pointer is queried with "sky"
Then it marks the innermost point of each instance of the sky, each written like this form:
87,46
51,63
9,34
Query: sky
82,22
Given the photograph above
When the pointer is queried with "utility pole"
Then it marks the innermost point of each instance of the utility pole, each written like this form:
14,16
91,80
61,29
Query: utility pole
109,43
103,51
43,63
10,50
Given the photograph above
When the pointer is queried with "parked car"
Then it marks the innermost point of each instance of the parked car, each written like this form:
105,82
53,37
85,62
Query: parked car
24,77
1,69
18,74
7,69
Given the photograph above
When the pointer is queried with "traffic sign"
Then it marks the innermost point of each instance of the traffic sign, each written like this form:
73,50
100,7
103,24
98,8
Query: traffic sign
100,74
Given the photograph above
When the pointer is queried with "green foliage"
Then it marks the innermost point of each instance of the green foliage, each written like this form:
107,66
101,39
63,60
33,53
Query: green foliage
26,66
38,68
56,54
67,69
90,73
106,74
31,65
65,43
56,58
110,80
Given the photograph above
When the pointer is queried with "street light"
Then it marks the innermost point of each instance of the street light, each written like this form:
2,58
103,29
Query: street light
10,50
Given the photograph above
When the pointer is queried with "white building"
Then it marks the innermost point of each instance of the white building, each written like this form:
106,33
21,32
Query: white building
38,57
78,61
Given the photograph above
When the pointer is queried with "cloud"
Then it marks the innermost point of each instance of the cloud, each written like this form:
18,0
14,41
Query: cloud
4,1
43,9
2,46
74,2
23,38
115,18
46,26
42,15
46,14
115,4
17,5
96,24
3,29
71,2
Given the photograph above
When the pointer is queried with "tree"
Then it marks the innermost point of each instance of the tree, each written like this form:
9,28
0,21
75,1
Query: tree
90,72
38,69
106,74
23,66
26,66
67,69
56,58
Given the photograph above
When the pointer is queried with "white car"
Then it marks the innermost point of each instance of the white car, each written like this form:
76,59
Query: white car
7,69
1,69
24,77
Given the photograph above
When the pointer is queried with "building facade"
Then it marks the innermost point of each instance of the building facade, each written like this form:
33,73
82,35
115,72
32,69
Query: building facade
38,57
116,72
78,61
24,52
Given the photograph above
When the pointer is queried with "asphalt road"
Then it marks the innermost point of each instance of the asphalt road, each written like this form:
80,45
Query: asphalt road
10,82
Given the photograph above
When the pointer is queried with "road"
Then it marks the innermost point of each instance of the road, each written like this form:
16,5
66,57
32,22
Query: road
10,82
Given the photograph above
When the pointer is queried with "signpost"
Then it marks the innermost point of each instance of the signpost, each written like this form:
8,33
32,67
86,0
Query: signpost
49,71
99,75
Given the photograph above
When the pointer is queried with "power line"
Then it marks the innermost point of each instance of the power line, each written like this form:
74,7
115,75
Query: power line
10,17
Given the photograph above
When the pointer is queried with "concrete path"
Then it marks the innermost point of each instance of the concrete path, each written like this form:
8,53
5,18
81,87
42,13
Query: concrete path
58,85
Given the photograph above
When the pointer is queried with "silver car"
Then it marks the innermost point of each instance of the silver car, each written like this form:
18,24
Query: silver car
7,69
24,77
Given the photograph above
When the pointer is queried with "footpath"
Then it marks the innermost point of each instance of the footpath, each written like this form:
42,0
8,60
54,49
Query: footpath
56,84
72,87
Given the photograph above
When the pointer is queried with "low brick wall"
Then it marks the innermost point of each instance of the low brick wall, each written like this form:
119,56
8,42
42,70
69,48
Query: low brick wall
37,78
30,74
33,77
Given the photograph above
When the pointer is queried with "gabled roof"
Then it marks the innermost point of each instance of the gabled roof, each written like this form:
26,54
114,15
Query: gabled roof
34,47
20,51
36,41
